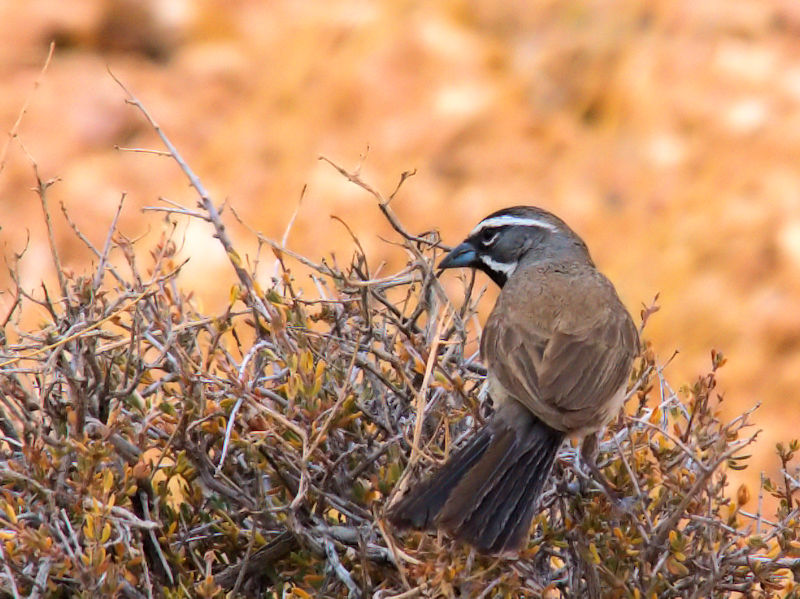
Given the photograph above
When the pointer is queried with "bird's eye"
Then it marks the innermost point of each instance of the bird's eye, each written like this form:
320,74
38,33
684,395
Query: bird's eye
489,236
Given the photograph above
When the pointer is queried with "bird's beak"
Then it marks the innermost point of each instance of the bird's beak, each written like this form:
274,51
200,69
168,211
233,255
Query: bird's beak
461,255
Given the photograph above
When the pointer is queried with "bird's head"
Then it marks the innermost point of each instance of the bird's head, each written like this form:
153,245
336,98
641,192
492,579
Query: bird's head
506,238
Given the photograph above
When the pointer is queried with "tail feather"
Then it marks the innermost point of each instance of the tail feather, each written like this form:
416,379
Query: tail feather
490,519
420,506
487,492
483,484
511,520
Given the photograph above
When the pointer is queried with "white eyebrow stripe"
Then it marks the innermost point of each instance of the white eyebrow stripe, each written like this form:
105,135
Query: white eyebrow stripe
507,220
503,267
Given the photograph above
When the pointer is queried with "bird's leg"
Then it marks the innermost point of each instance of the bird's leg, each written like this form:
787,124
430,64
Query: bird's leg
589,452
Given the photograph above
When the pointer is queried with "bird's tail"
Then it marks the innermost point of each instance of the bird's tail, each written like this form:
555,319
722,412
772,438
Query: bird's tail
486,493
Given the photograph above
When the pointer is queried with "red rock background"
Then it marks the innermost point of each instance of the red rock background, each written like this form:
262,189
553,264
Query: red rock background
666,133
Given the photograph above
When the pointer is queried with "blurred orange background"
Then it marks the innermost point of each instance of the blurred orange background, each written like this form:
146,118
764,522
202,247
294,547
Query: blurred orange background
665,133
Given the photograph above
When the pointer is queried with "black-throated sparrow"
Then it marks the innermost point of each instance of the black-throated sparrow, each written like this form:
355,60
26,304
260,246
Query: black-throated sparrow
558,346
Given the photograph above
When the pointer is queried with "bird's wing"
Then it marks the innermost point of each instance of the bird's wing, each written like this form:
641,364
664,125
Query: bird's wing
514,357
588,365
568,368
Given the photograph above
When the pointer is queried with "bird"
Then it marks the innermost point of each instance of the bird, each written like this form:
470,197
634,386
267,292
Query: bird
558,346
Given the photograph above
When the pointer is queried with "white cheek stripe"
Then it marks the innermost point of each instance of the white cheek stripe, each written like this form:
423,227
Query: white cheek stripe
494,265
506,220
